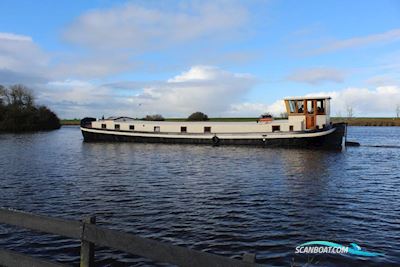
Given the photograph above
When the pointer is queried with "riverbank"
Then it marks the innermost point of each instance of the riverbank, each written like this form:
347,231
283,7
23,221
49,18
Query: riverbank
350,121
369,121
70,122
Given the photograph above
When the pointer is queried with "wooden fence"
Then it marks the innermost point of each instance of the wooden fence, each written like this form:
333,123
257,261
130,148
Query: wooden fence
90,235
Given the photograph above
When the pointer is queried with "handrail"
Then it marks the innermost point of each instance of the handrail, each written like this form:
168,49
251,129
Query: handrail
91,234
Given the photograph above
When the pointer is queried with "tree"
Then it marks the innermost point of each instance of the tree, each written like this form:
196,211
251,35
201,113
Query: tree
155,117
4,95
350,111
18,112
198,116
284,115
20,95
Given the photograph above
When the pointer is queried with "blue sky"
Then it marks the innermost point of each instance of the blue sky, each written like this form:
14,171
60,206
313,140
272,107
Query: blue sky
226,58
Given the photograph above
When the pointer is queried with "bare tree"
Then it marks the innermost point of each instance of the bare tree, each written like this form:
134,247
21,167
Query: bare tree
4,95
350,111
284,115
20,95
155,117
398,110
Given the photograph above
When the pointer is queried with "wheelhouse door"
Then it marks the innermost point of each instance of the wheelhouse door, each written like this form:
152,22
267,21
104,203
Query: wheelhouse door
310,114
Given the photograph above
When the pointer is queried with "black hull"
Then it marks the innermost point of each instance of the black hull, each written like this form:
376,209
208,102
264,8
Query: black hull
332,141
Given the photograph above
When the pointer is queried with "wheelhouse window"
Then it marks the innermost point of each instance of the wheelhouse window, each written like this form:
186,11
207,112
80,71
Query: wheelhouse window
183,129
207,129
292,106
117,127
132,127
157,129
276,128
310,106
300,106
103,126
321,107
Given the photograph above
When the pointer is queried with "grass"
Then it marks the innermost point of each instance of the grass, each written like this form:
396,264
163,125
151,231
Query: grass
369,121
350,121
70,122
216,119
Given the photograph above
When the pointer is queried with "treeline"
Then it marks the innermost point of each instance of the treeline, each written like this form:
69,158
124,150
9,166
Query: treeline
196,116
18,112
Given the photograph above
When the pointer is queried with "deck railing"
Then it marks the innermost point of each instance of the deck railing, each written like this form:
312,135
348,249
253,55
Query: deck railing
90,235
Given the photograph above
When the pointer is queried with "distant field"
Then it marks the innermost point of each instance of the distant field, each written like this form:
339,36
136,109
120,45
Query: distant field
216,119
351,121
70,122
369,121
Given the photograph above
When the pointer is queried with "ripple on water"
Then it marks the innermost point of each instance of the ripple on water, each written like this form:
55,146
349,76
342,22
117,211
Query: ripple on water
224,200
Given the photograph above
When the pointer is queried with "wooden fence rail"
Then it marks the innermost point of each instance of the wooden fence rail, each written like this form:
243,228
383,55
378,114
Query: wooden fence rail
90,235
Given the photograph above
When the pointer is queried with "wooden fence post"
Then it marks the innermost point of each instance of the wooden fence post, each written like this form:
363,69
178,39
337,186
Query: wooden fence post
249,257
87,248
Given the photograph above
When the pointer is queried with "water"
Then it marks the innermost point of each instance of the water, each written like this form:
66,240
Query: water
224,200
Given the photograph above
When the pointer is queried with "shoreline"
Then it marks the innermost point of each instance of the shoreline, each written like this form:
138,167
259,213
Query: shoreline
377,122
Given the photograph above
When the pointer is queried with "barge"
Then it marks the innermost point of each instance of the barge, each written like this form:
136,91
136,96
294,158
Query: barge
308,126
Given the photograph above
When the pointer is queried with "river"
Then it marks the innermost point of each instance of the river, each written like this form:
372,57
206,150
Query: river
224,200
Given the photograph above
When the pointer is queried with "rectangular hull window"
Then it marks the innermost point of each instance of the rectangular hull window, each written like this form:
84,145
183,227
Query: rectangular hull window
157,129
207,129
276,128
131,127
183,129
103,126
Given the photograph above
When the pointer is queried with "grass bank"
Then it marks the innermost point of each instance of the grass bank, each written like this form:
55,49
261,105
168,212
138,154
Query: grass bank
369,121
70,122
217,119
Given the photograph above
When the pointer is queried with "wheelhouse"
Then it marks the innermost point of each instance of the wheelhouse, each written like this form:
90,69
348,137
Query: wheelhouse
312,112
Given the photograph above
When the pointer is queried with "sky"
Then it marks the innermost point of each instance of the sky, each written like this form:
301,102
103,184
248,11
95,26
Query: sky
225,58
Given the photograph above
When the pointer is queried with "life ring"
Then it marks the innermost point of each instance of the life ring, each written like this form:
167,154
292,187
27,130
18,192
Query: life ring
215,140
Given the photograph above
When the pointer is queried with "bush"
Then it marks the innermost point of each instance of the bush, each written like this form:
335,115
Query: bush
19,114
198,116
156,117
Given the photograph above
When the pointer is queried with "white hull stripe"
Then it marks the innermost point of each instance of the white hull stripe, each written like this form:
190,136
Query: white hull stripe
209,136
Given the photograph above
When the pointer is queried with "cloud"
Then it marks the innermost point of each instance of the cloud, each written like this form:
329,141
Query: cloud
255,109
317,76
138,28
385,37
201,88
382,80
4,36
21,58
77,99
130,37
381,101
93,66
14,77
